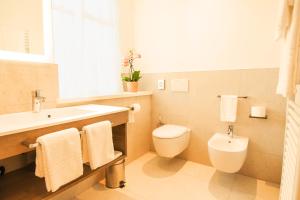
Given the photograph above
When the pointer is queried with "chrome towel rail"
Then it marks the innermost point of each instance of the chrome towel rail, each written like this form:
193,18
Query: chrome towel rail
30,145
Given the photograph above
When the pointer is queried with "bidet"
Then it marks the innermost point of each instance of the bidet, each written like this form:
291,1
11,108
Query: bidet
227,154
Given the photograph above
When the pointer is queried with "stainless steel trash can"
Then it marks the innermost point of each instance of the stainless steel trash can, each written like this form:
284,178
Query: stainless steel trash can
115,175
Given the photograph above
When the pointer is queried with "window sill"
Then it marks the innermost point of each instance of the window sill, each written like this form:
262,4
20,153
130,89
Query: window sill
69,102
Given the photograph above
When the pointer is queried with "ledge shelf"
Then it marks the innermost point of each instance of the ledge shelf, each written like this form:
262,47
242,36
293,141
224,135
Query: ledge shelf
23,184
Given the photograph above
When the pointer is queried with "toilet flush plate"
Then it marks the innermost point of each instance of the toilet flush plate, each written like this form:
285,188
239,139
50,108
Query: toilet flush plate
180,85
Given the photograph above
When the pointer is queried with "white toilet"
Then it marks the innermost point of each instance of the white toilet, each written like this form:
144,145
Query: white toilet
170,140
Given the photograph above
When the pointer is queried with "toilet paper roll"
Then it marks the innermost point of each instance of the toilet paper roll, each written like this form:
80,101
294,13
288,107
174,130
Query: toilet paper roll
258,111
134,108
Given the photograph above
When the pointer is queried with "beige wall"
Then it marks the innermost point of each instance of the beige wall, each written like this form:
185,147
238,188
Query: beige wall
199,110
209,43
125,25
19,79
194,35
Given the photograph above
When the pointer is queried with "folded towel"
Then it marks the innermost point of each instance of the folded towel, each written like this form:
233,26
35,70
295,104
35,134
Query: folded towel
97,144
228,108
59,158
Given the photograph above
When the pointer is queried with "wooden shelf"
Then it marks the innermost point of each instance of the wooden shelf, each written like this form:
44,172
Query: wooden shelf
22,184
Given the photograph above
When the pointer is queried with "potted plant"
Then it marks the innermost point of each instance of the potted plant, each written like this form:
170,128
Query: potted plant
132,76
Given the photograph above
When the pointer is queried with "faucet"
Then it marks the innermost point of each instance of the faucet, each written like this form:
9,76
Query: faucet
230,131
37,100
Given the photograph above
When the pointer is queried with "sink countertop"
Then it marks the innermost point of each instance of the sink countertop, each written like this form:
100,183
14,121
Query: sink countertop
25,121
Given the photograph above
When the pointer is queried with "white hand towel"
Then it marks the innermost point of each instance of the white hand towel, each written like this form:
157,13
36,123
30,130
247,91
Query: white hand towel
228,108
59,158
98,144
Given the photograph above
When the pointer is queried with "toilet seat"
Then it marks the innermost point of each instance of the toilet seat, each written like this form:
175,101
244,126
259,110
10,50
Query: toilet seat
169,131
170,140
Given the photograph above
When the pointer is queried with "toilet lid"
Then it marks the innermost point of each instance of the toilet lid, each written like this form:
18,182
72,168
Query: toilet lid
169,131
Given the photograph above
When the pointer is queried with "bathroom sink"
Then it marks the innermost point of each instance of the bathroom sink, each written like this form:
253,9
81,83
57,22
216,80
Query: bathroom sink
227,153
24,121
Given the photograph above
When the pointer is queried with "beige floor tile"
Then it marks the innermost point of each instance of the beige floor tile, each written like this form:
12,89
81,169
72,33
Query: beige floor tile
250,188
101,192
151,177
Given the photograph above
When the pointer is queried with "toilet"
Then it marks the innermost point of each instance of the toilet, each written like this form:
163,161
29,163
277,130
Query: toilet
170,140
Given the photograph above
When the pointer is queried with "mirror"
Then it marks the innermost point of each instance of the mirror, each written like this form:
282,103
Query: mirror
22,26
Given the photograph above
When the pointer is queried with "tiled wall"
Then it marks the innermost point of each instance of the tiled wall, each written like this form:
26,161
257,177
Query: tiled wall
199,110
19,79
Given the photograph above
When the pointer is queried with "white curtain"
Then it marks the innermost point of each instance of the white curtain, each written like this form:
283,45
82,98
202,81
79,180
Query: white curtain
86,47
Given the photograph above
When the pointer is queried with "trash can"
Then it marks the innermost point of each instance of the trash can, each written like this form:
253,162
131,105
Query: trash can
115,175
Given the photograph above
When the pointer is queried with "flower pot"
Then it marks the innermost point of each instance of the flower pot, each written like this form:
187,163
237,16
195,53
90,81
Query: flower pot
132,86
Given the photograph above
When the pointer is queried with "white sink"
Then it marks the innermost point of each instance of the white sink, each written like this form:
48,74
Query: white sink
24,121
227,154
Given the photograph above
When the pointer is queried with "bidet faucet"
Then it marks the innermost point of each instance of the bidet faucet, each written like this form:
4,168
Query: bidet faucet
37,100
230,131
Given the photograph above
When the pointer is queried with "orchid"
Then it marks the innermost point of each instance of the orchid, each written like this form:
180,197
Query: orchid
128,61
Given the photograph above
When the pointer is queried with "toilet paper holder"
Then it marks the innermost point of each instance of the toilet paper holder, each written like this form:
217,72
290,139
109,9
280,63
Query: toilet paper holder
265,117
134,107
258,112
240,97
130,108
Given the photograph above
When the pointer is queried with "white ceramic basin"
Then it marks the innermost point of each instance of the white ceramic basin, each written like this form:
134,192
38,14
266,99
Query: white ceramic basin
24,121
227,154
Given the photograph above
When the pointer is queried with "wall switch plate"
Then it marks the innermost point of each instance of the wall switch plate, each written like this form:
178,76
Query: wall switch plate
180,85
161,84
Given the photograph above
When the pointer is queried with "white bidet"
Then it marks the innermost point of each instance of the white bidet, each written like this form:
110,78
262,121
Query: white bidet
227,154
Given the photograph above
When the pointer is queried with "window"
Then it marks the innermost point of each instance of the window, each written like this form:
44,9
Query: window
86,47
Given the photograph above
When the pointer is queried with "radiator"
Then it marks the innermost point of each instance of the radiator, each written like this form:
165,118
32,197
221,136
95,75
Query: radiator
290,187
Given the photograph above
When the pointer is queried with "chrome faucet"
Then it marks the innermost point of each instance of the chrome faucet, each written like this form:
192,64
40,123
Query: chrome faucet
37,100
230,131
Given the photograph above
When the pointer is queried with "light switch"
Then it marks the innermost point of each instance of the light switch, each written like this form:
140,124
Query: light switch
180,85
161,84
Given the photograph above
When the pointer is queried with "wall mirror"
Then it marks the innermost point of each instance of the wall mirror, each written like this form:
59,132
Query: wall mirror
25,30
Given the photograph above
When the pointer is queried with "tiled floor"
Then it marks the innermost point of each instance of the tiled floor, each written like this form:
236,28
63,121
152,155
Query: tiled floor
154,178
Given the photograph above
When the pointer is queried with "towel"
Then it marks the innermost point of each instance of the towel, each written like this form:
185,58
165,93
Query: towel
284,17
97,144
228,108
59,158
289,64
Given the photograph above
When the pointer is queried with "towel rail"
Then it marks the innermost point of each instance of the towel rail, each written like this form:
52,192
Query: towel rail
240,97
30,145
